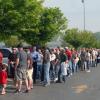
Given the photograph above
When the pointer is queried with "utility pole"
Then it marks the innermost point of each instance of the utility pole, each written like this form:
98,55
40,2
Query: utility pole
83,1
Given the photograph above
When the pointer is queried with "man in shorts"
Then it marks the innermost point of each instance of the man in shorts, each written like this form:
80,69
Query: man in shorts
21,69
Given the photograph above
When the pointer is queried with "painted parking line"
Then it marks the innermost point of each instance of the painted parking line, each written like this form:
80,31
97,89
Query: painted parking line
80,88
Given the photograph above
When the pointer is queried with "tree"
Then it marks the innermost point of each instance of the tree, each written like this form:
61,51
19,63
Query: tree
12,41
51,22
19,17
72,37
80,38
30,21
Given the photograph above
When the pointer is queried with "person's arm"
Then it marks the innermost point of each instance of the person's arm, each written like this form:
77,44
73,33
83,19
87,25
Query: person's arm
17,61
28,61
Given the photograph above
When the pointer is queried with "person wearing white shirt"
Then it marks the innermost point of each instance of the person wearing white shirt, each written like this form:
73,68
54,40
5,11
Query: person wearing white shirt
52,65
64,68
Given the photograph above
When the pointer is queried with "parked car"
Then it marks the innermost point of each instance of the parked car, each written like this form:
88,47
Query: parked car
6,52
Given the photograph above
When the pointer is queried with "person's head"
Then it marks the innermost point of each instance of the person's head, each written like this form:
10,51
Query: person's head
34,48
62,50
83,49
51,51
20,47
66,48
14,50
4,66
57,51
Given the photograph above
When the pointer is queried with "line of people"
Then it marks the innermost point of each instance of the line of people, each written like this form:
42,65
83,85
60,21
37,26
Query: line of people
47,65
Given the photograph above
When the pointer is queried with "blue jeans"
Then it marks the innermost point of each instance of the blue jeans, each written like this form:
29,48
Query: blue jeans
75,67
52,71
39,71
63,78
93,63
70,67
57,67
88,65
46,73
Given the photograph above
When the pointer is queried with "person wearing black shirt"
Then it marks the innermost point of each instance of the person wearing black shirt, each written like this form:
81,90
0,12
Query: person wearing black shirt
11,61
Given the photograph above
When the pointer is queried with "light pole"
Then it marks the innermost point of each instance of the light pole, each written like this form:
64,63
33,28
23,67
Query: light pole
83,1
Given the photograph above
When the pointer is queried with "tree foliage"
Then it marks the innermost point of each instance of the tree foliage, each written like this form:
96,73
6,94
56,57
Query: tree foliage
80,38
30,21
12,41
52,23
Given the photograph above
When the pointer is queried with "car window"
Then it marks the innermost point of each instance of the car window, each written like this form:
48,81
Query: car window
5,52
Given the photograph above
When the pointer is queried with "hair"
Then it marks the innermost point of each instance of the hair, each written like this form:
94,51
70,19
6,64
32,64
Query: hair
4,66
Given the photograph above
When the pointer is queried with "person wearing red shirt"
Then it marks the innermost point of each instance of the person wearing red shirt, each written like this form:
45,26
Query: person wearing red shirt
69,55
3,78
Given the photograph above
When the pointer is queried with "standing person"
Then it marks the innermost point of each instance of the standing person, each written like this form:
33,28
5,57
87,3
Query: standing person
21,69
83,59
76,60
91,63
39,63
64,68
57,64
46,65
88,60
52,64
69,55
64,63
3,78
94,55
34,55
42,73
11,62
30,72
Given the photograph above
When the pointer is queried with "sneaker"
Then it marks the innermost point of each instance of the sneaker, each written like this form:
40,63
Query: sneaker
41,82
71,74
46,85
26,91
55,79
88,71
18,91
3,93
31,87
58,81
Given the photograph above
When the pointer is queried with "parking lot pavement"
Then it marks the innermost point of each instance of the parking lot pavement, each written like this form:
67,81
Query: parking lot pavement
80,86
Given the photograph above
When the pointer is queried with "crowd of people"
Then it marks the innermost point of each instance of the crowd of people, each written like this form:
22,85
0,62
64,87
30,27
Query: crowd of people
45,65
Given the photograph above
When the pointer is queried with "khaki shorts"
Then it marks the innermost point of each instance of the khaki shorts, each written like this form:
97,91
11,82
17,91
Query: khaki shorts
29,74
20,74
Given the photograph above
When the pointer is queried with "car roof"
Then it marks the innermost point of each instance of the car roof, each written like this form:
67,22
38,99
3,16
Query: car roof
6,51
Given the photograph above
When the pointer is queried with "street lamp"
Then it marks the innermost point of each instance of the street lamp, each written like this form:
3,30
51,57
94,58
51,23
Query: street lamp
83,1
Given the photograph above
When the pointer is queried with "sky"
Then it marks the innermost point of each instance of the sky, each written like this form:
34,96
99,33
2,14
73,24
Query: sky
73,11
